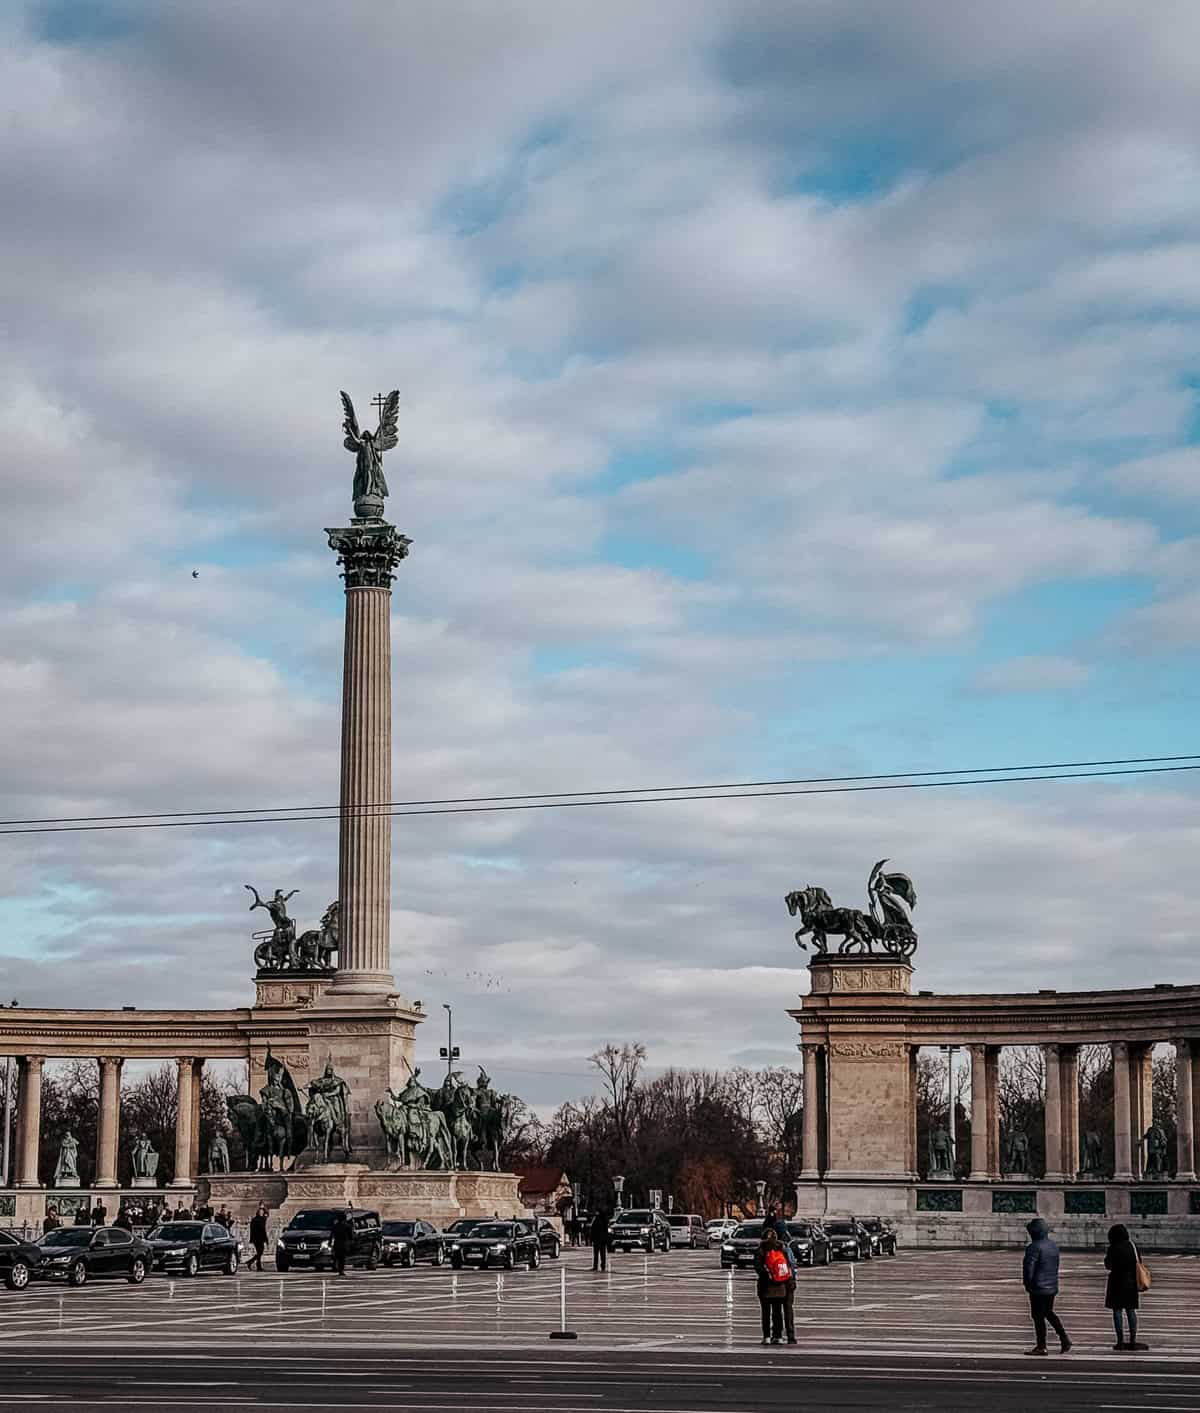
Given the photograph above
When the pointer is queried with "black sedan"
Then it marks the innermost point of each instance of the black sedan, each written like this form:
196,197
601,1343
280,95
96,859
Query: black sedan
883,1237
547,1234
741,1248
808,1244
190,1247
464,1226
849,1240
19,1260
77,1254
507,1244
406,1243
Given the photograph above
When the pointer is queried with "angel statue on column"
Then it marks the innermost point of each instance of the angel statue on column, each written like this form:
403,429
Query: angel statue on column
370,488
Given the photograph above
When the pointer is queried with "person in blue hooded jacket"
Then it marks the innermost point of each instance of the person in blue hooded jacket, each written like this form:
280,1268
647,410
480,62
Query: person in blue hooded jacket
1040,1275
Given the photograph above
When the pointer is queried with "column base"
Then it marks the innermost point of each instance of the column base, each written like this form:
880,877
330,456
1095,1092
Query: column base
978,1177
362,983
105,1182
175,1182
1055,1177
809,1175
1184,1177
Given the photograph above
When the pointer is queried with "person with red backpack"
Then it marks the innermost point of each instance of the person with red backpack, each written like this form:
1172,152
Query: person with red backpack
776,1289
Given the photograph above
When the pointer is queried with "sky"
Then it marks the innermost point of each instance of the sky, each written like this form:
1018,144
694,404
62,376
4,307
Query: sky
786,389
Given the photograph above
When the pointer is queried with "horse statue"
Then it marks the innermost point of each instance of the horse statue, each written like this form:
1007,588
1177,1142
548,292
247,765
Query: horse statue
324,1125
455,1104
886,929
315,948
412,1131
246,1115
489,1121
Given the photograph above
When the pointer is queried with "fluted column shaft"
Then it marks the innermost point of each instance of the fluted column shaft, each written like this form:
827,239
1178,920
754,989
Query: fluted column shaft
808,1158
993,1109
1185,1156
1054,1172
194,1150
109,1124
183,1125
979,1114
29,1100
1122,1115
1069,1081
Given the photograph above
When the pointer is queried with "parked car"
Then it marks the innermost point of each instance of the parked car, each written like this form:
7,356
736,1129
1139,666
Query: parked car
643,1227
548,1236
882,1234
19,1260
507,1244
77,1254
808,1244
739,1248
307,1240
462,1227
406,1243
688,1230
721,1229
849,1240
190,1247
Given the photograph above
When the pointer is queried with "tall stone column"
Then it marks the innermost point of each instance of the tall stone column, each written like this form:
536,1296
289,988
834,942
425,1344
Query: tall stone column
369,552
1068,1067
1054,1172
1185,1157
194,1133
1122,1118
993,1090
979,1114
808,1157
183,1125
29,1099
109,1124
913,1159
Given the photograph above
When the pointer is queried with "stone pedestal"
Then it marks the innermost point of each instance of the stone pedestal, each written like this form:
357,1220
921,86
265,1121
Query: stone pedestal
153,1182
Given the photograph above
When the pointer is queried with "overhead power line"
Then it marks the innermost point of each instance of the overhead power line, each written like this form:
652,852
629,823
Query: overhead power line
497,804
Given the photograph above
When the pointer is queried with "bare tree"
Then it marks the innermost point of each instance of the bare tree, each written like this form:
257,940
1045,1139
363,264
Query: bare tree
620,1068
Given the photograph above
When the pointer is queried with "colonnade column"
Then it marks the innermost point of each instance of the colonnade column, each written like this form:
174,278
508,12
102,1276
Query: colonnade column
194,1153
993,1111
1122,1116
1054,1172
808,1155
183,1124
1069,1081
979,1114
1185,1157
109,1124
29,1101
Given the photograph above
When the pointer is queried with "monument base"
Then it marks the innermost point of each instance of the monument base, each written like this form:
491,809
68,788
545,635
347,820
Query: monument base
994,1213
407,1195
153,1182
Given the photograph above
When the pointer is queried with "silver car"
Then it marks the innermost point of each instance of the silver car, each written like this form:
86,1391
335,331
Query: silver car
688,1230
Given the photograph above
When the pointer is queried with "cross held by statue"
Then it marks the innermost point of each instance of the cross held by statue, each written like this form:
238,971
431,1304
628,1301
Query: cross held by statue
377,403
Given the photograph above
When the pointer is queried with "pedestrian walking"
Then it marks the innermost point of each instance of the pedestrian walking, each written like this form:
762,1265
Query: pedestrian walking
599,1234
776,1289
258,1236
1121,1292
1040,1275
342,1228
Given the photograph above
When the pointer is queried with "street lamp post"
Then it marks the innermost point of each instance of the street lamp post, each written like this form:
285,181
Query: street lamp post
761,1186
449,1051
948,1051
619,1188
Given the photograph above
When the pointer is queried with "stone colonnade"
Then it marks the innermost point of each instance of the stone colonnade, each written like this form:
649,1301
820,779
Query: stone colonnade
27,1147
1132,1111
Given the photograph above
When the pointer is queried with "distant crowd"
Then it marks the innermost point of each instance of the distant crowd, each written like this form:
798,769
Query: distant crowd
131,1216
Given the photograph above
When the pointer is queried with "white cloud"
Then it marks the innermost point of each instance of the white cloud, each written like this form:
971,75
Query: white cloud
1032,674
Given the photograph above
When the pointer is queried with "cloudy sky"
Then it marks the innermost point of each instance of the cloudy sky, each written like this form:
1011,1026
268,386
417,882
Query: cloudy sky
786,389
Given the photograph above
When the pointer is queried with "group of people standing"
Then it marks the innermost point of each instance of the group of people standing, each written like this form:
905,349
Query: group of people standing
1127,1278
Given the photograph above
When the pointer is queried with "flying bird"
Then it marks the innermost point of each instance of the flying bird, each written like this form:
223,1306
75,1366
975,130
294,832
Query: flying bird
195,574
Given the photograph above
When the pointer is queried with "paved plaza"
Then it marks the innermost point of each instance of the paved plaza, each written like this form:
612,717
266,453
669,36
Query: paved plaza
668,1333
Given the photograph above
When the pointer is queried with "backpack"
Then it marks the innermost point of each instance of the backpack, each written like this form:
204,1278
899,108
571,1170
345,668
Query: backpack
778,1267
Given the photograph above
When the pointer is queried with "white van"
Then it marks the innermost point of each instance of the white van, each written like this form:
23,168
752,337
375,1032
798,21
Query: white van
687,1229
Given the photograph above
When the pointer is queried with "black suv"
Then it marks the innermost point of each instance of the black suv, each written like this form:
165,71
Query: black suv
406,1243
506,1244
647,1228
19,1260
78,1253
307,1240
191,1247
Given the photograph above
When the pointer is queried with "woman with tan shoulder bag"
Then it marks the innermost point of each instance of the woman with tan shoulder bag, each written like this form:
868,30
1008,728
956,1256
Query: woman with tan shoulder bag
1127,1278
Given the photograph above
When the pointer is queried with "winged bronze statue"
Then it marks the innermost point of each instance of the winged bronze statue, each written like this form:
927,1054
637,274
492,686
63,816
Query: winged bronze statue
370,487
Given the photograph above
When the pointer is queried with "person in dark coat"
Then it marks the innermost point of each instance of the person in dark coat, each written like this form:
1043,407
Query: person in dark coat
1121,1292
258,1236
599,1236
83,1217
778,1312
51,1220
123,1220
99,1214
777,1224
1040,1275
342,1228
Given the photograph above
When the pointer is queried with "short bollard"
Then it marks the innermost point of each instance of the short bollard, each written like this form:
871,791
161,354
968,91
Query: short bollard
851,1280
562,1332
324,1293
170,1290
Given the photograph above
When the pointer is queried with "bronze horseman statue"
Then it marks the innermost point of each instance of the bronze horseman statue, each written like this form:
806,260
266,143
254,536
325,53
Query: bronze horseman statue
886,930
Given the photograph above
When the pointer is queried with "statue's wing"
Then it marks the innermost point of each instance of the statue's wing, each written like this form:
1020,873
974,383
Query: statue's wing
902,885
386,437
350,425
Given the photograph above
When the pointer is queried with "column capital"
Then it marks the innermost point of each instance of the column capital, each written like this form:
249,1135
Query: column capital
1184,1049
184,1062
1120,1047
35,1062
109,1062
978,1049
1052,1049
369,553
